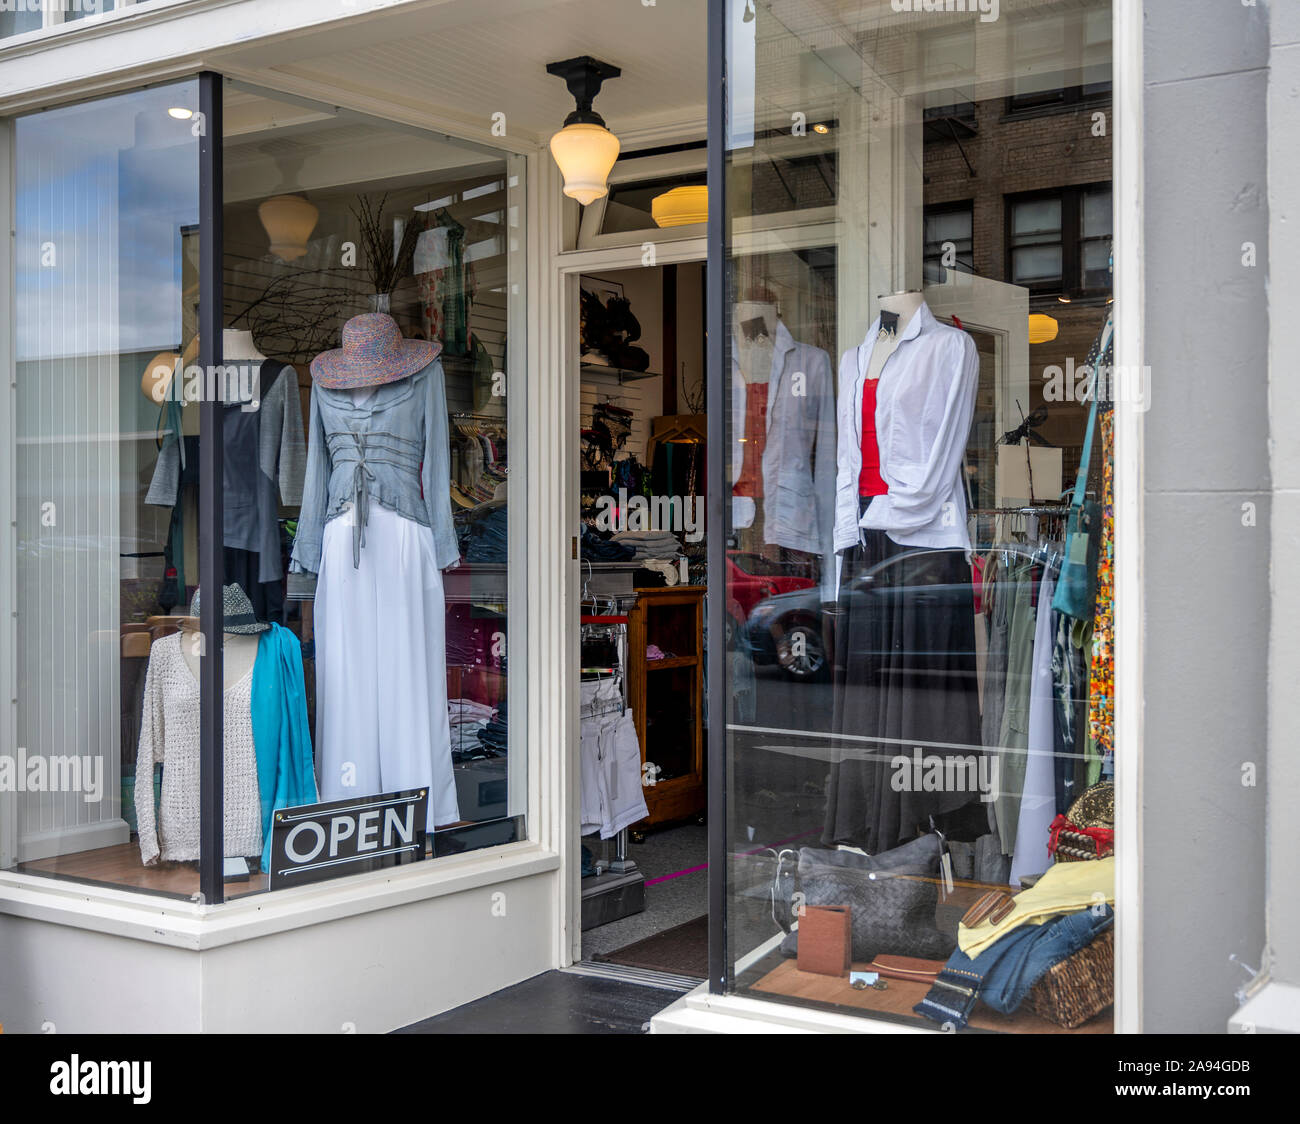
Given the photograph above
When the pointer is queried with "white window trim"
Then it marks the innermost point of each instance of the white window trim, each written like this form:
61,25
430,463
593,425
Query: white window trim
190,925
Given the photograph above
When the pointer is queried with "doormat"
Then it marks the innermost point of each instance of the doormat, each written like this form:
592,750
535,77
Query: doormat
683,950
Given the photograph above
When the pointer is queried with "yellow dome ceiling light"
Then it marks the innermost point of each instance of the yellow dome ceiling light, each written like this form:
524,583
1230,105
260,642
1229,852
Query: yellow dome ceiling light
289,221
584,149
682,206
1042,328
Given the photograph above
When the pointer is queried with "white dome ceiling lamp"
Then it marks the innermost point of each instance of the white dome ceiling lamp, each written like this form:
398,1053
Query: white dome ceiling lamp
584,149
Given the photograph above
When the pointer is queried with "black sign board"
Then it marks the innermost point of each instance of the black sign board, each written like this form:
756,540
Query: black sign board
315,842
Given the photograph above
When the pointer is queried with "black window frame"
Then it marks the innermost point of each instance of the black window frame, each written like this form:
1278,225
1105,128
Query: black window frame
955,206
1070,283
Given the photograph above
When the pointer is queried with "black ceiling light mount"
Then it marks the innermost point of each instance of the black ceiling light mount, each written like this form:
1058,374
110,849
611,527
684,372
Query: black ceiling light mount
584,149
584,76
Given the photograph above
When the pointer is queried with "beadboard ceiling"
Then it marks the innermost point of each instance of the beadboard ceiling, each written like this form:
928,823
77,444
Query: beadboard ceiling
464,61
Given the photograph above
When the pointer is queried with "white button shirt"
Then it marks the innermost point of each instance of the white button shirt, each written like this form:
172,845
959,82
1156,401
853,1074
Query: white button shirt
925,401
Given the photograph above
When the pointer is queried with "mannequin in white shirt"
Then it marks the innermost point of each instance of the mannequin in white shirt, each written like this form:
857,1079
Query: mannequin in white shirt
904,305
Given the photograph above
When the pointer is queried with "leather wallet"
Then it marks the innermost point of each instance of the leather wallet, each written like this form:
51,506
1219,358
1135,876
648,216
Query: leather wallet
907,968
825,939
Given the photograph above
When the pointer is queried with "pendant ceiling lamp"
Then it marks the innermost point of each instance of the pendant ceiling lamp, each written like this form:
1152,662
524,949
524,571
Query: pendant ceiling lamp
289,221
1042,328
584,149
681,207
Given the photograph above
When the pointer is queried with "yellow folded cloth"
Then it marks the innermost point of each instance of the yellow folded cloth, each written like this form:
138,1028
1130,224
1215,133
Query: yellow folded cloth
1064,888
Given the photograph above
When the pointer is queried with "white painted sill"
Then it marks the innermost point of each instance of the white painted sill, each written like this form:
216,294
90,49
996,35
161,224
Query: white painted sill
189,925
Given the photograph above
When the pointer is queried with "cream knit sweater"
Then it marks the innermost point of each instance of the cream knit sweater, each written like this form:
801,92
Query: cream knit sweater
169,733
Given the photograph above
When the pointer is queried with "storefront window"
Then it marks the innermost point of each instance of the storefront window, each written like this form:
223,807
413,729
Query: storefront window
107,282
919,738
368,531
372,285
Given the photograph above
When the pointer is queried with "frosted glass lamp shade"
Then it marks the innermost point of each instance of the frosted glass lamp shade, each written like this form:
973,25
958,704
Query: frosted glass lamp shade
586,155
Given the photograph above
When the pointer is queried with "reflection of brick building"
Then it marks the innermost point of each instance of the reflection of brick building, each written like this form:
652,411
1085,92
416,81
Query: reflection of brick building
991,156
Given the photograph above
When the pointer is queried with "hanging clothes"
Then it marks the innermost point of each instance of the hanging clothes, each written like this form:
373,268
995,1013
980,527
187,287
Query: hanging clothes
1101,688
263,465
1037,793
1013,734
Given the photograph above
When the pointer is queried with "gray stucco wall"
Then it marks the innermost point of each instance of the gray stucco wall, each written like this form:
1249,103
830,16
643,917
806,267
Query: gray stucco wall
1206,455
1284,405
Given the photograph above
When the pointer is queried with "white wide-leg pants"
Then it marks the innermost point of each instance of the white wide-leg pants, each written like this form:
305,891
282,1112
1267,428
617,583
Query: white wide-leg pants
381,665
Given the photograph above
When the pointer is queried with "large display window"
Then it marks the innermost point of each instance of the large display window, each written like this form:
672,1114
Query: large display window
336,462
917,399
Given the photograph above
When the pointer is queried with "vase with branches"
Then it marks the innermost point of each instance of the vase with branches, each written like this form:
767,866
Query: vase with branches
389,257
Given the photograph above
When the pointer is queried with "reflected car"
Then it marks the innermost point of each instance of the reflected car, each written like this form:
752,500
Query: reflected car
786,630
751,578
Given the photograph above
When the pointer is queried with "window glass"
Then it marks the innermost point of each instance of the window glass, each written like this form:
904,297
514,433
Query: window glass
948,240
18,19
77,9
372,278
918,729
106,251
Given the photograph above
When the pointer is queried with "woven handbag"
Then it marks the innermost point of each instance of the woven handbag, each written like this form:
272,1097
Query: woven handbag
1080,987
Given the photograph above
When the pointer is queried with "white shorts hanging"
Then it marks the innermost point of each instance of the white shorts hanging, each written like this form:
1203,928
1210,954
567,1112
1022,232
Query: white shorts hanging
381,665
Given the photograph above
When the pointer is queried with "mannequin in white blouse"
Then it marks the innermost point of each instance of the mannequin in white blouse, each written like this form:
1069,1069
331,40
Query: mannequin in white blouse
905,305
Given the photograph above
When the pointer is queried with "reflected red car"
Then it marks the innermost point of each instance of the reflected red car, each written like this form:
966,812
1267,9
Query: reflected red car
751,578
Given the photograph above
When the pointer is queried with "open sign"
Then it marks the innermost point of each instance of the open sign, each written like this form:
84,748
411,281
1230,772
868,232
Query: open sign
314,842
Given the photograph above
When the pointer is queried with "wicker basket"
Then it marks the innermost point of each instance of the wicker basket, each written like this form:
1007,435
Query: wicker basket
1079,987
1072,846
1087,830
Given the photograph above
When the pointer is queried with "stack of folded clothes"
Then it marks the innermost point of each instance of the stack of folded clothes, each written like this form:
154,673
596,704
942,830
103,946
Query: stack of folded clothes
598,548
1002,953
650,544
493,736
487,534
468,720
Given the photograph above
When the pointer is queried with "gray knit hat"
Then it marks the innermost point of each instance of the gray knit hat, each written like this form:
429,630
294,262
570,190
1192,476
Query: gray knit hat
236,610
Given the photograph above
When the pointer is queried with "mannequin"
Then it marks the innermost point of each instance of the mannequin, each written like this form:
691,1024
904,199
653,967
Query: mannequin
904,304
237,346
755,322
238,652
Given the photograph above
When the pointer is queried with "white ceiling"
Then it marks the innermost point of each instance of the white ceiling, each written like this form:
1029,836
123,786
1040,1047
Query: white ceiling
464,61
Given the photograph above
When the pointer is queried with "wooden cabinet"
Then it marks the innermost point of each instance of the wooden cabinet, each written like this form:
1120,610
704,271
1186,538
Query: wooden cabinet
667,698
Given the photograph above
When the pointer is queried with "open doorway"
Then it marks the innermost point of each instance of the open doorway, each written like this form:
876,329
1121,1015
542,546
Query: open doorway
643,581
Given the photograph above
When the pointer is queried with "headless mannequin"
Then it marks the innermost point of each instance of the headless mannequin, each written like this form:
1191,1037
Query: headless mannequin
238,653
905,305
755,348
237,346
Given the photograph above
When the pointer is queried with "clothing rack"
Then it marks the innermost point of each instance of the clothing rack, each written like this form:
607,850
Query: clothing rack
611,613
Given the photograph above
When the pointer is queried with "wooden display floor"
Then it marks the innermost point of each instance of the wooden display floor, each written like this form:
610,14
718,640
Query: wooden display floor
120,866
786,980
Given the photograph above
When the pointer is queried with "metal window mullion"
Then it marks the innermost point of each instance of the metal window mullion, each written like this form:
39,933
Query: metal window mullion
211,576
716,271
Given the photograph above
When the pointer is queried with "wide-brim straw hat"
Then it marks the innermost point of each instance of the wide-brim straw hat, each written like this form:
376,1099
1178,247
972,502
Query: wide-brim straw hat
373,353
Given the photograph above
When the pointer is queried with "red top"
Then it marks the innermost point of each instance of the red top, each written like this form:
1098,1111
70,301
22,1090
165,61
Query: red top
751,470
870,482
